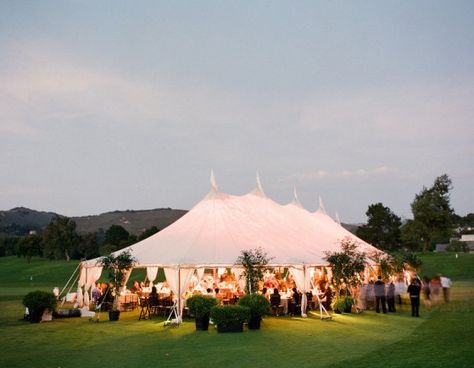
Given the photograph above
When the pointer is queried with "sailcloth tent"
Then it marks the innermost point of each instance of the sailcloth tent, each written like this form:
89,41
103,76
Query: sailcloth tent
215,231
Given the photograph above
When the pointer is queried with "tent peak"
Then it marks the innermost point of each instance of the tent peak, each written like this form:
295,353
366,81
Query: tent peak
321,208
338,220
296,200
213,181
258,189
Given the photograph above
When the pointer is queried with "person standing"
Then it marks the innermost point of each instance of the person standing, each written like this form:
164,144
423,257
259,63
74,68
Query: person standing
426,291
370,296
379,290
414,292
400,289
391,297
446,285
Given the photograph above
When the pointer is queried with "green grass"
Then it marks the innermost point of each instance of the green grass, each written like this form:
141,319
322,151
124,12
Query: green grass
441,337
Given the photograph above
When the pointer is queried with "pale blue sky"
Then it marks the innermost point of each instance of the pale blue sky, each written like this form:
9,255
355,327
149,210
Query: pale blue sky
129,104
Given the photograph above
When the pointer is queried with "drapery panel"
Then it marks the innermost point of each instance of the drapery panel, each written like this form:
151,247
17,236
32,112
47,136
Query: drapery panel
178,279
151,273
239,276
80,284
303,283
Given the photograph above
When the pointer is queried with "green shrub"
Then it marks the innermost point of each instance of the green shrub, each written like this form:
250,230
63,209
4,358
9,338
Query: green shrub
257,303
37,302
229,314
200,305
342,303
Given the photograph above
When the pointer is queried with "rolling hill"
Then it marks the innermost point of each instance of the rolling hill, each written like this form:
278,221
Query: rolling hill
20,220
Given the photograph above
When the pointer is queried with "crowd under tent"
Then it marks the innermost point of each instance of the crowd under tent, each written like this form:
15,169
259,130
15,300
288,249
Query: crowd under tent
215,231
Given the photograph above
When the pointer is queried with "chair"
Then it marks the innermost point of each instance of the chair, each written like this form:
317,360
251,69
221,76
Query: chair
166,306
311,304
144,309
154,305
294,304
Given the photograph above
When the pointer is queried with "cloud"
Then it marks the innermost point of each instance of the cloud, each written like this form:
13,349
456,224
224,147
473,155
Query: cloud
407,112
44,87
357,173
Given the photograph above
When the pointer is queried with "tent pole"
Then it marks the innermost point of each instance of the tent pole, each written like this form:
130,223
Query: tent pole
304,298
70,278
179,294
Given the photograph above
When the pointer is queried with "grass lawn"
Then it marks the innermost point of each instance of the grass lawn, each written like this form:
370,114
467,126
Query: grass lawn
441,337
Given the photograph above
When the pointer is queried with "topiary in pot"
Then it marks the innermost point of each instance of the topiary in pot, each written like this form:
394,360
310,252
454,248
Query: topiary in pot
230,318
117,267
37,302
258,305
200,306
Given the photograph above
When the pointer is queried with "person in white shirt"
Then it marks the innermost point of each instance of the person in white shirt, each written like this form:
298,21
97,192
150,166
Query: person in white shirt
446,285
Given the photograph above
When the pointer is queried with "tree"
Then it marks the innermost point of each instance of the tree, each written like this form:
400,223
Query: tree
346,266
60,238
382,228
254,262
116,235
388,264
87,247
148,232
432,213
9,245
118,267
29,246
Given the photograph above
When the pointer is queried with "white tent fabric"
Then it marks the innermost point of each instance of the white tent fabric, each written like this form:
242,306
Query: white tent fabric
214,232
151,273
80,284
239,276
92,275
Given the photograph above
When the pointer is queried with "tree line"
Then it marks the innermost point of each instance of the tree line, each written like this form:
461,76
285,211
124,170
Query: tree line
434,221
60,240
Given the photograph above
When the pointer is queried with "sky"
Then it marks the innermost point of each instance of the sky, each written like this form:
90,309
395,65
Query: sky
114,105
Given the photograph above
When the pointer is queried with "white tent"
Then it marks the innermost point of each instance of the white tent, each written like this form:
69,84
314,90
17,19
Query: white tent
215,231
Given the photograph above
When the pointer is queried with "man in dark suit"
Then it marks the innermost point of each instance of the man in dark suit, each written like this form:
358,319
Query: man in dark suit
379,290
414,291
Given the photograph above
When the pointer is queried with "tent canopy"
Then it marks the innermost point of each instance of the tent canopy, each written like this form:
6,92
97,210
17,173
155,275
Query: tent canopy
220,226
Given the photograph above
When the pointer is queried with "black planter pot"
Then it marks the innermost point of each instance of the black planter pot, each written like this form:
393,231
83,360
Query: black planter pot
230,327
254,323
114,315
35,316
202,323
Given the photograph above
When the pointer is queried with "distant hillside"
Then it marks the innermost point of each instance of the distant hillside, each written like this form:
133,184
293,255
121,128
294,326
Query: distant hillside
351,227
135,222
20,220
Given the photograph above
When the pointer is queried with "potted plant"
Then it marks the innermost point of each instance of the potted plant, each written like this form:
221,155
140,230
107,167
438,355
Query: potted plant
346,267
254,262
258,305
230,318
117,266
37,303
200,307
342,304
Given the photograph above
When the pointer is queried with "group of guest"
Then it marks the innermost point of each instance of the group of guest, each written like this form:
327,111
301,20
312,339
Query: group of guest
293,299
431,289
103,295
382,297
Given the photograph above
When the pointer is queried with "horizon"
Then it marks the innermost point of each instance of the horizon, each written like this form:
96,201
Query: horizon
129,105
